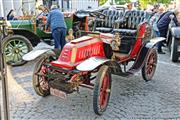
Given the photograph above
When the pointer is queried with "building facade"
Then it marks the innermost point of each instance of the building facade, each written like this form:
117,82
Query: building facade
18,5
29,6
71,5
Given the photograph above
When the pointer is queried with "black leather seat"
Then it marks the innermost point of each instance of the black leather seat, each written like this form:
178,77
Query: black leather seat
128,28
128,24
107,25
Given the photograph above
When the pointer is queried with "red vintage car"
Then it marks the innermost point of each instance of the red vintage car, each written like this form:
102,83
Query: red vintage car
90,60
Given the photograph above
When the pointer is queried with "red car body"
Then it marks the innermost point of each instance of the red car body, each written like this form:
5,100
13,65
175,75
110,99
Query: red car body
91,54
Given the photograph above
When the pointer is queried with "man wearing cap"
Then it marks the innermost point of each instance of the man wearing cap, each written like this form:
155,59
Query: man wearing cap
56,21
163,24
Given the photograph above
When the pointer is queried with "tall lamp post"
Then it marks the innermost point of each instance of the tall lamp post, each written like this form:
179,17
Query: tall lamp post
4,77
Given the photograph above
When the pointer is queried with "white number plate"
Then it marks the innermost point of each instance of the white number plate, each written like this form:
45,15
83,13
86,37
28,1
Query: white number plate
58,93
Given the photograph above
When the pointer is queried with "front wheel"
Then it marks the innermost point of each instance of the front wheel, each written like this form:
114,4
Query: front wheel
14,47
40,81
149,67
174,52
102,90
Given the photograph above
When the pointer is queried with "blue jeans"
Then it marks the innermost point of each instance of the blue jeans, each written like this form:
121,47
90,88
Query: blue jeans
59,35
157,34
163,33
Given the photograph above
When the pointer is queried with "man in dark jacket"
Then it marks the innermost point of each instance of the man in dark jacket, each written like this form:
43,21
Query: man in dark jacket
163,24
11,15
58,26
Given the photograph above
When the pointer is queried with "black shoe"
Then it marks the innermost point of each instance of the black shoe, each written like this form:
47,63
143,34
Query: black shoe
161,52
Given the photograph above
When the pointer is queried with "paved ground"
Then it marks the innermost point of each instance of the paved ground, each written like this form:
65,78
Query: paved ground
131,98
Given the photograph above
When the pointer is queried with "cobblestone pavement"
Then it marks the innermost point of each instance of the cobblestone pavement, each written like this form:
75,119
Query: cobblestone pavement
131,98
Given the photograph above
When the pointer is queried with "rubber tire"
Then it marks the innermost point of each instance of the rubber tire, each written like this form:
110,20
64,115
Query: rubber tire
169,42
96,91
174,53
22,38
143,71
35,80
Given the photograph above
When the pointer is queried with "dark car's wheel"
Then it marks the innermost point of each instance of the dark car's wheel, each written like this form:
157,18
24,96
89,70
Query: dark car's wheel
102,90
174,52
169,42
14,47
40,81
149,67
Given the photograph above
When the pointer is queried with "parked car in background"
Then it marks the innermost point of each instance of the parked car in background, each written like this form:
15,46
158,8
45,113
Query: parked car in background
173,41
28,31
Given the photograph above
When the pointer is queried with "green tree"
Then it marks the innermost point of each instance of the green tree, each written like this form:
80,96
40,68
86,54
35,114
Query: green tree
101,2
143,3
159,1
118,2
121,2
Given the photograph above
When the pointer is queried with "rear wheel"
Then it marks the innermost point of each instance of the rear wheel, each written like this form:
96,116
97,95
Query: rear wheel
149,67
14,47
102,90
174,52
40,81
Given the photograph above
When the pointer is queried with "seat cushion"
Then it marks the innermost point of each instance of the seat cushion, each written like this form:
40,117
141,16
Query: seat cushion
126,31
104,29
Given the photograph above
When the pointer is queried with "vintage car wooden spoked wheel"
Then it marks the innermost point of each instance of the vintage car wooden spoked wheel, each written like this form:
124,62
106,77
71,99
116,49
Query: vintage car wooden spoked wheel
150,65
40,82
14,48
102,89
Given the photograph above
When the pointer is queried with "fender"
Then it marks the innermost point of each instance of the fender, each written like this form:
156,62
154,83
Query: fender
91,63
143,54
32,37
40,49
140,60
152,42
175,31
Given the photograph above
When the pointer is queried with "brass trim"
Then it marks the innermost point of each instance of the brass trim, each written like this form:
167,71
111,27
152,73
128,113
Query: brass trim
73,55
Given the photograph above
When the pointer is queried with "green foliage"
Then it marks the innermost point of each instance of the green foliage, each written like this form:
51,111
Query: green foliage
159,1
143,3
121,2
101,2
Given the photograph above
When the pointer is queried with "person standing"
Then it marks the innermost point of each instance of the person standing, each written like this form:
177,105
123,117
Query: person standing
130,7
58,26
11,15
153,21
163,25
43,11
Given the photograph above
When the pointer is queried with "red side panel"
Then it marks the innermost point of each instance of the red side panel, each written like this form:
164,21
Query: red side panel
75,52
95,49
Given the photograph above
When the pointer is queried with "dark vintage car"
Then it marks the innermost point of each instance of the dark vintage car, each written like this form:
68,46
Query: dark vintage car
90,60
173,41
